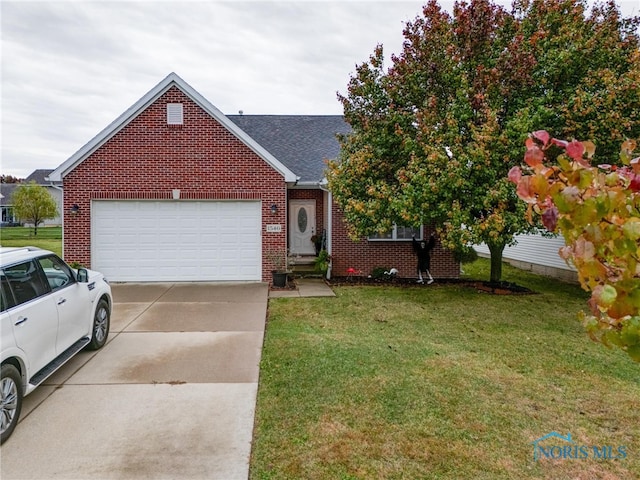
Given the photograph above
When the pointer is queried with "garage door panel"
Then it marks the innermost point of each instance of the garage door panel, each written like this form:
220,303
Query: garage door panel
177,241
189,239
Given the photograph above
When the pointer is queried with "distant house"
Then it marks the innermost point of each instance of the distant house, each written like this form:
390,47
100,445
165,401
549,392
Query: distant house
175,190
8,215
40,177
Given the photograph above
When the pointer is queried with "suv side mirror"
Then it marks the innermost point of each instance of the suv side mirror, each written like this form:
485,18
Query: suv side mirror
83,275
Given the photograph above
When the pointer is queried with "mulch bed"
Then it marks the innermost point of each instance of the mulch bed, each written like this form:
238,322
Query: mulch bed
499,288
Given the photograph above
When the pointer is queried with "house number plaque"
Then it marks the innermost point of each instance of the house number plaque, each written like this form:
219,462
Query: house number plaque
274,228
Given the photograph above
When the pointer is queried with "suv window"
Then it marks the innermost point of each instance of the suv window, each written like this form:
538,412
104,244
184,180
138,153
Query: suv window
26,281
58,274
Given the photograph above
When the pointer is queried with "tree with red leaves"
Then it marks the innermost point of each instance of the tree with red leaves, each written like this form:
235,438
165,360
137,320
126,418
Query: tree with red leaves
597,210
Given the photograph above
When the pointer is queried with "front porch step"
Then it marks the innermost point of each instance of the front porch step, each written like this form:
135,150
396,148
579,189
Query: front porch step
303,265
302,260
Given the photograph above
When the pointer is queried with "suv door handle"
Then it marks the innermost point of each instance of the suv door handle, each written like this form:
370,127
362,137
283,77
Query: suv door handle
21,321
61,301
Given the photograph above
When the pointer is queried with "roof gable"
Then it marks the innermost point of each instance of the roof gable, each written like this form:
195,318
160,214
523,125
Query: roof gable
123,120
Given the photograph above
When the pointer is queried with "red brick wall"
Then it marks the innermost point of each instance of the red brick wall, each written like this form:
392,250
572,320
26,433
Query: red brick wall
365,255
148,158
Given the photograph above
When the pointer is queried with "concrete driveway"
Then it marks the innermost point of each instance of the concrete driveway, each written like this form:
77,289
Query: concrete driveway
171,396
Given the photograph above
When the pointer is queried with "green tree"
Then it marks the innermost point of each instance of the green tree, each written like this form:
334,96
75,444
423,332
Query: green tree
33,204
435,134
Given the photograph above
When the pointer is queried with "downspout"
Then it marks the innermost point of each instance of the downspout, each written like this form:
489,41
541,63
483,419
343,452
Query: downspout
286,217
329,225
61,208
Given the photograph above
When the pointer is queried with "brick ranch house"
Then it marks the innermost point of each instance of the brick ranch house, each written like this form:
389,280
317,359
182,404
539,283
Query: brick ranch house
174,190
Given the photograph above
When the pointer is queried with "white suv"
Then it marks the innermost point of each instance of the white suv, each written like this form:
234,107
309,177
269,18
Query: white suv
48,313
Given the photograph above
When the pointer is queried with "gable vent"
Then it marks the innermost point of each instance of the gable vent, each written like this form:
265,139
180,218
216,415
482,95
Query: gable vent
174,114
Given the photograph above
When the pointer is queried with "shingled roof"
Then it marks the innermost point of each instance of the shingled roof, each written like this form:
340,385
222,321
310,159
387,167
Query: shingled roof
39,176
301,142
6,192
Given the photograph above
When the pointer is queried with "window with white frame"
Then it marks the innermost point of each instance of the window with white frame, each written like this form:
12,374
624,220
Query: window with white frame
398,233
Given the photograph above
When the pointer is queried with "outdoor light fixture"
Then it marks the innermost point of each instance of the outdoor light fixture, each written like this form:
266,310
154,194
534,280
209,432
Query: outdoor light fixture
74,209
274,209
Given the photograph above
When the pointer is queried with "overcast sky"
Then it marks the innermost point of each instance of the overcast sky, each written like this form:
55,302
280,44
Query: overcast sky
69,68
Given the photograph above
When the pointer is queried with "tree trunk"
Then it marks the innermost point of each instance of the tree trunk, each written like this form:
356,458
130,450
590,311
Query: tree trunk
496,250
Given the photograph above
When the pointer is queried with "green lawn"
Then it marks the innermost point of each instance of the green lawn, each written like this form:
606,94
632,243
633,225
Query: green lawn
440,382
49,238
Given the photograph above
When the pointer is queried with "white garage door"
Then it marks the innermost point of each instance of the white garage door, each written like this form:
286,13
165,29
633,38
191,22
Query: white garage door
152,241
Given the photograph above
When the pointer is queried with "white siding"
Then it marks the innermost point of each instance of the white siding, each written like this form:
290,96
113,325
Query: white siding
534,249
56,193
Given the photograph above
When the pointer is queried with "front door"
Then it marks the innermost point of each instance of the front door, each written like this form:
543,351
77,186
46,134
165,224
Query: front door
302,226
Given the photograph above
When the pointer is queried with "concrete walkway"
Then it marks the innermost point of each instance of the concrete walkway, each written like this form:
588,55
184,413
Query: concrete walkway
171,396
306,287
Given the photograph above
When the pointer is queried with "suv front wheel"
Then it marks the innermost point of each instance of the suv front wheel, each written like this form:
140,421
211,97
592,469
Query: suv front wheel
101,322
10,400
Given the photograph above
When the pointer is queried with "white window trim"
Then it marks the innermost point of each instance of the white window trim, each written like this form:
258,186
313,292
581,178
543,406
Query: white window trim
394,236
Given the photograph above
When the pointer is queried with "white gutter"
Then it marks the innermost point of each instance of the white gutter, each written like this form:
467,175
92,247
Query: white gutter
329,223
307,184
